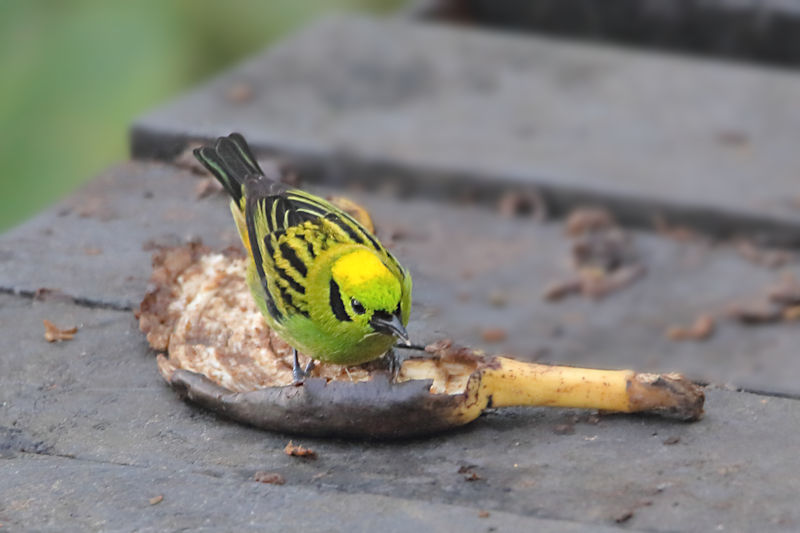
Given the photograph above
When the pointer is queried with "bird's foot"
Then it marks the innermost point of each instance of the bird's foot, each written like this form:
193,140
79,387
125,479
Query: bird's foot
300,374
393,364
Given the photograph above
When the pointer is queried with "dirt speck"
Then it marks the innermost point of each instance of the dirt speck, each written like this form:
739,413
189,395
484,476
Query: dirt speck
469,473
53,333
669,441
733,138
155,500
240,92
701,329
755,313
483,514
498,298
519,203
270,478
767,257
624,516
494,334
295,450
564,429
588,219
206,187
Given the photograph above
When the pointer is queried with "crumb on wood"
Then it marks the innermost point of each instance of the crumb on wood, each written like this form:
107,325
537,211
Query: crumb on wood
53,333
603,258
295,450
599,284
270,478
187,160
494,334
767,257
206,187
468,473
44,293
733,138
586,219
755,313
785,292
791,314
96,207
155,500
498,298
564,429
701,329
240,92
674,232
557,290
483,514
523,203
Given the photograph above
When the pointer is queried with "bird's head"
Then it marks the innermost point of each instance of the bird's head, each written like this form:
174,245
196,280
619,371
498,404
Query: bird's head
363,290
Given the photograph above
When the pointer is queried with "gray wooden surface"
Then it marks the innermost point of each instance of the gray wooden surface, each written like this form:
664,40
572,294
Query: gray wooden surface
89,433
432,108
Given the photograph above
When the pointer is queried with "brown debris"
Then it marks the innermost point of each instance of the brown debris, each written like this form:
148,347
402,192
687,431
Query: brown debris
785,292
733,138
469,473
602,257
53,333
95,207
155,500
187,161
45,294
624,516
791,314
483,514
498,298
669,441
270,478
607,250
517,203
767,257
781,302
674,232
701,329
564,429
240,92
588,219
755,313
557,290
206,187
599,286
295,450
91,250
494,334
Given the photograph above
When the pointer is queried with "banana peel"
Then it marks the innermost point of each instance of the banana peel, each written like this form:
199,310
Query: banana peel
216,351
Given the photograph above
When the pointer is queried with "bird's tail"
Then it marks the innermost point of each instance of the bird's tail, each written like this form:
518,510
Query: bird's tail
231,161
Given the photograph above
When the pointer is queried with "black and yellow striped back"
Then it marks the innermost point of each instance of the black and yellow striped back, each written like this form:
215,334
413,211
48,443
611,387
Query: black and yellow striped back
297,228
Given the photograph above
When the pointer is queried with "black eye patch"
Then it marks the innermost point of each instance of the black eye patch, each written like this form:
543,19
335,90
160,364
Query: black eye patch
336,303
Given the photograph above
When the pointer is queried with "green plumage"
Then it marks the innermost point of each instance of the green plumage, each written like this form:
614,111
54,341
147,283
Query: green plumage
322,281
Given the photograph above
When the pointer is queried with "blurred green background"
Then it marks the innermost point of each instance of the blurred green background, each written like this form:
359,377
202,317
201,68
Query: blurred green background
74,73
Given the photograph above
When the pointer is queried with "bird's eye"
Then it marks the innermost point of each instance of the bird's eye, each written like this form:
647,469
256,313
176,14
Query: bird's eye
357,306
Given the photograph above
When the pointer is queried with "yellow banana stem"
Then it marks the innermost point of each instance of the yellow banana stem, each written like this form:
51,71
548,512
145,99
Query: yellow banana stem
503,382
514,383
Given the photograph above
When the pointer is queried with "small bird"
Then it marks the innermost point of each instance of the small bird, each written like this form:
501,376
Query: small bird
323,282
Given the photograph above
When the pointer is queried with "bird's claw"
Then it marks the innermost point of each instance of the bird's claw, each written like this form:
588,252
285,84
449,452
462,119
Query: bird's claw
299,374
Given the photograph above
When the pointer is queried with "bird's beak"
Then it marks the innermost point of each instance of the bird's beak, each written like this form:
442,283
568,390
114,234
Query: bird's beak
389,325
